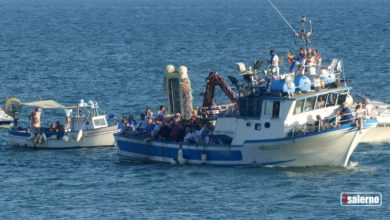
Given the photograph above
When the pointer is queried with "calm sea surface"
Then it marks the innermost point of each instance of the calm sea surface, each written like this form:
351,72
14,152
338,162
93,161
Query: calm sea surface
115,52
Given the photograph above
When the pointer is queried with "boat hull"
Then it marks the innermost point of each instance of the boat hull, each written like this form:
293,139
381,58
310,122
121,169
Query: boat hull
332,148
379,134
91,138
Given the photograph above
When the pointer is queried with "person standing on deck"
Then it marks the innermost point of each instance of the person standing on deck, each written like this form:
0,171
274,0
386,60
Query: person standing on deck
274,63
299,63
35,120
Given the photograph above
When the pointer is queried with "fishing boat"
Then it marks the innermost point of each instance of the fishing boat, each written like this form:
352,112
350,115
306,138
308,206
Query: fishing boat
85,125
5,119
268,129
289,120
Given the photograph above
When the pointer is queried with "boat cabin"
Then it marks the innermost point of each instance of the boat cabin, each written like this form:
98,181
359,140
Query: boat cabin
269,116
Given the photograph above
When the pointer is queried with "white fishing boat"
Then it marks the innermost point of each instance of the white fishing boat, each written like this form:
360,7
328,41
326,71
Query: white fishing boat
5,119
87,127
293,120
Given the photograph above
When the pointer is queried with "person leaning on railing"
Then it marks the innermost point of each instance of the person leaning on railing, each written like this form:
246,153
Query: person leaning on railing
359,116
346,114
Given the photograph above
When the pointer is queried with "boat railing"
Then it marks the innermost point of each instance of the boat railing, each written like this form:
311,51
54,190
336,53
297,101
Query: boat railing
330,122
219,110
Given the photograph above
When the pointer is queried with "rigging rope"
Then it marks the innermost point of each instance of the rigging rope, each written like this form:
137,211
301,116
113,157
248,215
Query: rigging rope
280,13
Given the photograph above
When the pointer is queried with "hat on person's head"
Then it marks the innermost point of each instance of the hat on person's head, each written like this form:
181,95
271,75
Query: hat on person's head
177,115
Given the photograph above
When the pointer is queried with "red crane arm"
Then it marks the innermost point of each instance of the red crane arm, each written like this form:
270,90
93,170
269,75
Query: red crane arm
215,80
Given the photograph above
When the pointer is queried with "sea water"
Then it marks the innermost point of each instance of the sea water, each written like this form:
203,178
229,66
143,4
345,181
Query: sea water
115,52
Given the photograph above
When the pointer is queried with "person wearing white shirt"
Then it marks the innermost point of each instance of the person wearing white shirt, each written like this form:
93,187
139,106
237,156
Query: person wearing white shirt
368,108
274,63
188,137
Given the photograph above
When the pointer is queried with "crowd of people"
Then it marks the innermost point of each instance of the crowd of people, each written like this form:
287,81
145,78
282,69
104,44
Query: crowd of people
310,58
344,115
165,127
363,111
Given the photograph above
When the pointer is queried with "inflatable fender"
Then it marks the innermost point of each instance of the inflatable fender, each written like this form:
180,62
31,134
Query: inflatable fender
180,156
65,138
303,83
79,135
289,87
44,136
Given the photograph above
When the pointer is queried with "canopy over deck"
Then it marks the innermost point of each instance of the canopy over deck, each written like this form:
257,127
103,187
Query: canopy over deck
45,104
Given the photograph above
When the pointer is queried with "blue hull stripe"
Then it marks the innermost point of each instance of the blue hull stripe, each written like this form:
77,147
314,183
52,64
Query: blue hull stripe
188,154
18,133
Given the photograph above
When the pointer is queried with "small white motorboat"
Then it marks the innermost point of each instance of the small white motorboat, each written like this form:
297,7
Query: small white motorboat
88,127
5,119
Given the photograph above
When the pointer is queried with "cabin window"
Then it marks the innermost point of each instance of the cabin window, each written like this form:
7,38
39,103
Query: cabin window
268,107
321,101
299,106
332,99
310,104
257,126
275,109
250,106
100,122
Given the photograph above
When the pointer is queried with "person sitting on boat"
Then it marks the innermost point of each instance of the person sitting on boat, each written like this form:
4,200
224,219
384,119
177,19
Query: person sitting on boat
175,128
161,113
346,114
156,128
319,124
359,116
148,113
60,130
164,132
143,124
198,134
320,102
53,127
274,63
188,137
123,125
35,119
132,122
151,125
368,108
60,127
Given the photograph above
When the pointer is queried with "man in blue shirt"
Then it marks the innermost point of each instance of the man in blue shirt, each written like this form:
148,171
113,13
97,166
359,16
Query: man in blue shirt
123,125
346,112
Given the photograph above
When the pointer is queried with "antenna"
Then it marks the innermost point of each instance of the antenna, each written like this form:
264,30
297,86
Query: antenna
303,34
281,15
